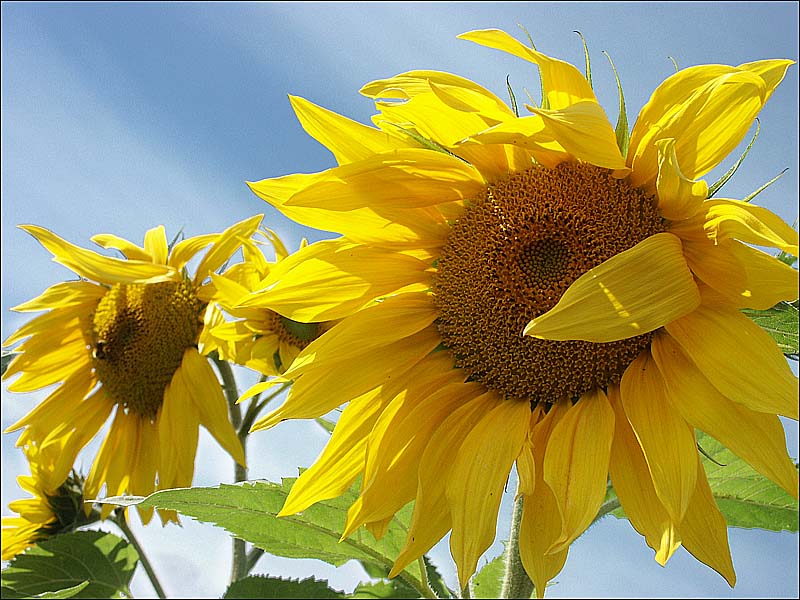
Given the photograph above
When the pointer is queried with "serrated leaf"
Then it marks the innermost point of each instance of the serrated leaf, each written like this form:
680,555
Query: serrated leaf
488,582
104,560
745,497
436,581
384,589
263,586
781,322
248,511
7,592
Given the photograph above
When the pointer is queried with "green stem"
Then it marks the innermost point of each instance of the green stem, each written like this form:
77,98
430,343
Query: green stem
256,407
516,583
239,562
120,521
252,558
427,590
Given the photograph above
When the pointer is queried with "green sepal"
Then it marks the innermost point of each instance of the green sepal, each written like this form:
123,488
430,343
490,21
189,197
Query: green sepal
621,130
717,185
586,59
750,197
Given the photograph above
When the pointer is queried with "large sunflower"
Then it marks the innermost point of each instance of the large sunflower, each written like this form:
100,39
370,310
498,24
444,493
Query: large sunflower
518,290
124,339
259,338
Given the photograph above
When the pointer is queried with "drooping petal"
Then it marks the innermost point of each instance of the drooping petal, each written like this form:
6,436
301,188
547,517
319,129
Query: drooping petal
96,267
666,440
720,220
706,109
678,197
178,423
475,482
431,518
393,459
563,83
634,292
332,279
61,295
756,437
634,487
576,464
348,140
739,358
209,403
704,531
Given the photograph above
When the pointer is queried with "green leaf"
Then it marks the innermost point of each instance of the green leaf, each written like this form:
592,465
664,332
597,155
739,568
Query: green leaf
5,360
745,497
781,322
248,511
717,185
262,586
488,582
69,592
384,589
65,561
621,130
436,581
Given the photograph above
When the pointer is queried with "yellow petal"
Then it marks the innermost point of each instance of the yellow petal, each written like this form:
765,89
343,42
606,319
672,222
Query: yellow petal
431,518
425,226
706,109
739,358
632,293
634,487
224,247
348,140
96,267
332,279
576,464
678,196
155,244
317,393
541,517
732,219
61,295
178,428
756,437
666,440
185,250
744,276
704,531
771,71
408,178
394,456
475,482
563,83
530,133
61,401
209,403
584,131
341,460
129,249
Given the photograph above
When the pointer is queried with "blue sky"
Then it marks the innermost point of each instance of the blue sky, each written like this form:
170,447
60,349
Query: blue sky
120,117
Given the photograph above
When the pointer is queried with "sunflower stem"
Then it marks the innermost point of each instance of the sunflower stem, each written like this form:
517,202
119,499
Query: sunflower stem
516,583
119,520
239,563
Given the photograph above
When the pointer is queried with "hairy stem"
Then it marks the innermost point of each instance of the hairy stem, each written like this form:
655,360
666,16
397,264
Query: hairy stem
119,520
516,583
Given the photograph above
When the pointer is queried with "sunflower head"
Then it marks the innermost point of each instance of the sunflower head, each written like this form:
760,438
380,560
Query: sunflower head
124,339
259,338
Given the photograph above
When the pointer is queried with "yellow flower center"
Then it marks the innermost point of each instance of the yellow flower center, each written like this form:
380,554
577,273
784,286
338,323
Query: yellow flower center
140,334
510,257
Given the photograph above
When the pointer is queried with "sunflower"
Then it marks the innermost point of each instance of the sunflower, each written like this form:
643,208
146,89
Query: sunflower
535,291
43,515
260,339
124,339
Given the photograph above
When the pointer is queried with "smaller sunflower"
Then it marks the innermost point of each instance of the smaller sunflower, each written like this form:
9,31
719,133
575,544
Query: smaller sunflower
260,339
43,515
124,339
